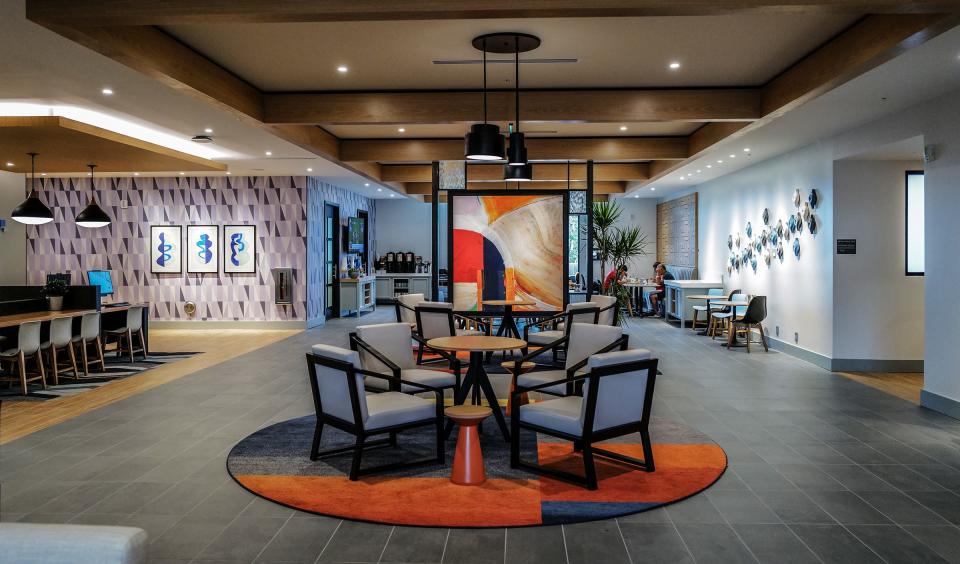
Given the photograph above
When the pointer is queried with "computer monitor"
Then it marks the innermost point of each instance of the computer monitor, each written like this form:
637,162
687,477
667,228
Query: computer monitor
102,280
65,276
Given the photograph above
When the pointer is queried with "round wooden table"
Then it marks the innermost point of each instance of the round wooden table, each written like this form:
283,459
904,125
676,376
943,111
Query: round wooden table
468,458
508,326
476,378
709,298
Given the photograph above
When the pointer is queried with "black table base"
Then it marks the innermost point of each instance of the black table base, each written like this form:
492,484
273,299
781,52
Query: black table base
476,384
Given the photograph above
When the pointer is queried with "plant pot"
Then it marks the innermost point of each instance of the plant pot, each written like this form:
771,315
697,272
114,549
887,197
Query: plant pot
55,303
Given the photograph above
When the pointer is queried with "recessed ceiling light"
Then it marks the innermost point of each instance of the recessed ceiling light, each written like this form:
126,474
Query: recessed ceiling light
9,164
366,184
379,189
674,65
709,166
43,174
136,174
683,178
653,189
181,174
720,161
401,129
342,68
268,153
208,130
636,195
392,195
746,149
732,156
309,170
623,128
698,172
107,92
228,172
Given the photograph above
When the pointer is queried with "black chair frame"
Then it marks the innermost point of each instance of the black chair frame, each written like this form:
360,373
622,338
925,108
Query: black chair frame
454,320
358,430
584,443
567,318
620,343
397,305
356,343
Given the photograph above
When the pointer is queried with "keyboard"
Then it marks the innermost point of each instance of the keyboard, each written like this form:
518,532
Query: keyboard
116,304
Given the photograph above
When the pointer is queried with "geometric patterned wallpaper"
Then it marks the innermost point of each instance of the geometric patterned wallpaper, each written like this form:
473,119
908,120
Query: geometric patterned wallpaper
276,205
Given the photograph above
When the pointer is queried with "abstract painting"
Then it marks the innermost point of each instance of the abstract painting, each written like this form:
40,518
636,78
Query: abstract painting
165,249
239,249
508,247
203,249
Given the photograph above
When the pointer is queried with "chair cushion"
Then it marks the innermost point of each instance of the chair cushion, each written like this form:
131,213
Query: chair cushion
542,377
55,544
545,337
435,378
396,408
10,352
332,385
721,315
586,339
392,340
562,414
700,307
620,397
468,332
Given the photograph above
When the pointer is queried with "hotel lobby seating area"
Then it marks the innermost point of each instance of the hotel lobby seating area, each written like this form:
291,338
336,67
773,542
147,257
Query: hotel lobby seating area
397,282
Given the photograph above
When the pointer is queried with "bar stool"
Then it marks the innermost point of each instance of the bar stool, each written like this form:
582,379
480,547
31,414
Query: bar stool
90,336
134,327
28,346
61,337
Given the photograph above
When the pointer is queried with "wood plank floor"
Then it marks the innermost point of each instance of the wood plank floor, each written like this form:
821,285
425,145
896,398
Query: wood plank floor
20,418
906,385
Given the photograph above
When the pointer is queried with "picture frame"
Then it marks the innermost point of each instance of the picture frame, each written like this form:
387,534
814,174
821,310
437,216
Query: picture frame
165,249
203,249
239,249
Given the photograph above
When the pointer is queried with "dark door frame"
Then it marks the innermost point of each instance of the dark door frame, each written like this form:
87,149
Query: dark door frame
365,216
332,306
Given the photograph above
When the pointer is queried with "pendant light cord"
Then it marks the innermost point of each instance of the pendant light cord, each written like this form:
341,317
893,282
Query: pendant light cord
93,186
33,174
484,81
516,81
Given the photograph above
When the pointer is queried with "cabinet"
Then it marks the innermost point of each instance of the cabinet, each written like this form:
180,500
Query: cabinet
389,286
358,294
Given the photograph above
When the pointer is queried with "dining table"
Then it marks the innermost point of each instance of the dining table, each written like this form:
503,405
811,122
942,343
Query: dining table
733,305
636,288
508,323
708,298
476,382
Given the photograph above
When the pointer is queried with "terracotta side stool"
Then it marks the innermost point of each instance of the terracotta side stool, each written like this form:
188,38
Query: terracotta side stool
525,367
468,458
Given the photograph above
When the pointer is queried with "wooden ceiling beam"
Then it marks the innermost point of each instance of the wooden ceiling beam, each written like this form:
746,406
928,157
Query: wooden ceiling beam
574,148
594,106
607,187
174,12
541,171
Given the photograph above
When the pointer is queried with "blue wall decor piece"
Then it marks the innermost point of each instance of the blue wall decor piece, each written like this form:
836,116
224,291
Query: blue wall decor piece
796,248
774,239
812,224
766,216
749,230
753,263
806,211
780,252
792,224
796,197
738,240
813,198
779,229
730,242
764,237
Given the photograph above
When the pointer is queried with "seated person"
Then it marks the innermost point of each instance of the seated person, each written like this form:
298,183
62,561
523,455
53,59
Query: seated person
656,297
619,274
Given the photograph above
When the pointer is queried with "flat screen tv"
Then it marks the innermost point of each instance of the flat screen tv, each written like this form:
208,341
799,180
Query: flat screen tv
355,234
102,280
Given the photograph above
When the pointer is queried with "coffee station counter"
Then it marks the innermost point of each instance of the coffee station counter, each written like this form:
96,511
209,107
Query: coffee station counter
392,284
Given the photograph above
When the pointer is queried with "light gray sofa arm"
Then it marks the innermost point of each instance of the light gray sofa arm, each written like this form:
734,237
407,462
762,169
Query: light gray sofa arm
72,544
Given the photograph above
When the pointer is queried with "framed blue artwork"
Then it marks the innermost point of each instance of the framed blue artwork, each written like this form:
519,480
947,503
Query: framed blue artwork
239,249
203,249
164,249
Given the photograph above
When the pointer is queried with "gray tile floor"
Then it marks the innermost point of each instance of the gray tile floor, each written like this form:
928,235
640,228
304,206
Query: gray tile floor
822,469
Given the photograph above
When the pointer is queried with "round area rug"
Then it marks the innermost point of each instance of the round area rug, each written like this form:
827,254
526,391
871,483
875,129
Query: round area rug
274,463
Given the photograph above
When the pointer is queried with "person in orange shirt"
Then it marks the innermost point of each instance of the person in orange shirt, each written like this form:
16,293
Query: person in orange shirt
619,273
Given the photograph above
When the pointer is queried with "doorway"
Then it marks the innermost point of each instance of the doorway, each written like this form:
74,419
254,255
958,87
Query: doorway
331,260
365,254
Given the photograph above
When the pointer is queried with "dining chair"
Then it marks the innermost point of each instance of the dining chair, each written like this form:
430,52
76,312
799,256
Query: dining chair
608,308
126,333
721,317
337,386
583,340
61,336
553,328
703,308
385,349
90,337
28,347
405,305
436,319
616,402
755,314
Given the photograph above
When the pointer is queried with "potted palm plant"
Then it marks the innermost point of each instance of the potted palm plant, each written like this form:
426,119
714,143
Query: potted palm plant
605,215
53,291
627,244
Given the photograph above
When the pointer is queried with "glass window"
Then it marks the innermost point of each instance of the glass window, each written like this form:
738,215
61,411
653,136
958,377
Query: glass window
915,252
573,245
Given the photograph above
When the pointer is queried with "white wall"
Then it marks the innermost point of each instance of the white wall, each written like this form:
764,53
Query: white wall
404,225
799,291
878,311
642,213
13,241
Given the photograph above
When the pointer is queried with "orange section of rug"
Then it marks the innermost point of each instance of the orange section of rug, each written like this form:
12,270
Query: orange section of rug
405,501
682,470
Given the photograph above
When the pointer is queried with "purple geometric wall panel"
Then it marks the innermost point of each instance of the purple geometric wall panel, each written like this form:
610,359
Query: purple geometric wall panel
276,205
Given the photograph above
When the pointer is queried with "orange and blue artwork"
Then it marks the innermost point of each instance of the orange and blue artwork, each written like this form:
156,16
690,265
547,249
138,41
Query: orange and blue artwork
508,247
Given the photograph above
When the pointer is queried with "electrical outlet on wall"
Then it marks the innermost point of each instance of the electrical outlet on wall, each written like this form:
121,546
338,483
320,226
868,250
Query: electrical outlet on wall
796,337
124,204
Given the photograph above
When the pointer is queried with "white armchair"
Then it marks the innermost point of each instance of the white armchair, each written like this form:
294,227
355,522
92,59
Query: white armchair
386,349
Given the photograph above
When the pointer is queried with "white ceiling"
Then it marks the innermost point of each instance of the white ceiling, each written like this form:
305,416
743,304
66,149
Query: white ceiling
906,150
41,70
530,129
612,52
922,73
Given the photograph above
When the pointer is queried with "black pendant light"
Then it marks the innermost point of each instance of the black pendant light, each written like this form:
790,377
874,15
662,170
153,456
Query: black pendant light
484,142
32,211
93,215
